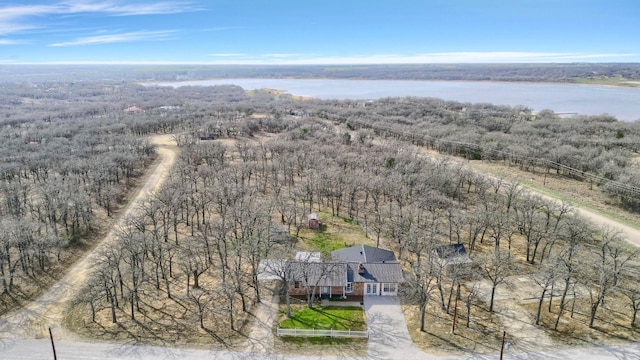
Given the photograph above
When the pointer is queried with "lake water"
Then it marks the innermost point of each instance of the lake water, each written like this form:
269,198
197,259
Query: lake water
621,102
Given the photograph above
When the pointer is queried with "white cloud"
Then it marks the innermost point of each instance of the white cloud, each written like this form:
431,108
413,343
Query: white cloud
109,7
11,17
18,18
8,42
7,28
433,58
8,13
118,38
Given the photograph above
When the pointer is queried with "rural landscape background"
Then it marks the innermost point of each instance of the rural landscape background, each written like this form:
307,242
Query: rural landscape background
164,165
149,234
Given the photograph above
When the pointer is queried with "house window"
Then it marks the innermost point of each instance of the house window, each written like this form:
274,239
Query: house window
389,288
349,287
296,284
371,289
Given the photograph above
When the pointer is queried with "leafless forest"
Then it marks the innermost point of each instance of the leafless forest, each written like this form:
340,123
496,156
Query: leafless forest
561,73
190,258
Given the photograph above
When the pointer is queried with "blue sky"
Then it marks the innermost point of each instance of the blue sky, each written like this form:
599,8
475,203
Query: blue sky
319,32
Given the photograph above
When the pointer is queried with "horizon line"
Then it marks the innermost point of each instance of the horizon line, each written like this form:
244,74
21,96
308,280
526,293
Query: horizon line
141,63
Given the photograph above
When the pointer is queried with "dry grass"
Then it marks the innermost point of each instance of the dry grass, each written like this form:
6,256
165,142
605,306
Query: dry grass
162,321
612,324
483,336
29,288
571,190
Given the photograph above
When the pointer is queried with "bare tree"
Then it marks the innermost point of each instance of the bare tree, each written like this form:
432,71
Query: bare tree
632,293
201,299
612,262
546,277
577,234
193,261
531,224
425,272
496,266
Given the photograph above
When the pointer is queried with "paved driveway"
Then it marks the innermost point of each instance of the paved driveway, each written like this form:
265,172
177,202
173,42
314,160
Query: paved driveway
388,334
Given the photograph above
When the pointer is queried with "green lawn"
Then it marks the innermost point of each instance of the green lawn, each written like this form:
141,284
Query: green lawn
336,233
330,317
325,242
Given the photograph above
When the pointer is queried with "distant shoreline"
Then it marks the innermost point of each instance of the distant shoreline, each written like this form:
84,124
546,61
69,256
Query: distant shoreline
606,74
623,84
620,102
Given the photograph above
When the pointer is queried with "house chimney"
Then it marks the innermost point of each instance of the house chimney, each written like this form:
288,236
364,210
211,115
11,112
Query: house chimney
361,269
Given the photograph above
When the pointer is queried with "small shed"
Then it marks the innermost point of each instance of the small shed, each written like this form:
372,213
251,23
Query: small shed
314,221
453,258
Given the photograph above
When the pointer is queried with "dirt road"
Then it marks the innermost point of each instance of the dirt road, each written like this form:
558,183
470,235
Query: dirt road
631,234
33,320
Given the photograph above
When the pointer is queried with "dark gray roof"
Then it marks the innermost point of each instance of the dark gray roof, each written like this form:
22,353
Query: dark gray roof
318,273
375,273
452,254
451,250
363,254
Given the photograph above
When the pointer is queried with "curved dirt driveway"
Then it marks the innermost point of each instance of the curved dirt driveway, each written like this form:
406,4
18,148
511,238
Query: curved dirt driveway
33,320
631,234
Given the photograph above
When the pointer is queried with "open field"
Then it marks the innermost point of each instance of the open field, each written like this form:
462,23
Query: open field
613,81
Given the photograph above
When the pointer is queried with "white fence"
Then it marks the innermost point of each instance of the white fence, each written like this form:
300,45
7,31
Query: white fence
316,332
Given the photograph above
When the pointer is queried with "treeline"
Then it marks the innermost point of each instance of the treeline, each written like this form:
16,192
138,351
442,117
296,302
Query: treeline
597,149
53,178
571,72
69,153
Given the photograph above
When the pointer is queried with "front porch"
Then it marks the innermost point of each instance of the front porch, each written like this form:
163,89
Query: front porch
351,300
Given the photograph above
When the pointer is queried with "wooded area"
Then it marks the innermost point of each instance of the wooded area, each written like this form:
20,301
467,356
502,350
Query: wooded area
70,150
535,72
